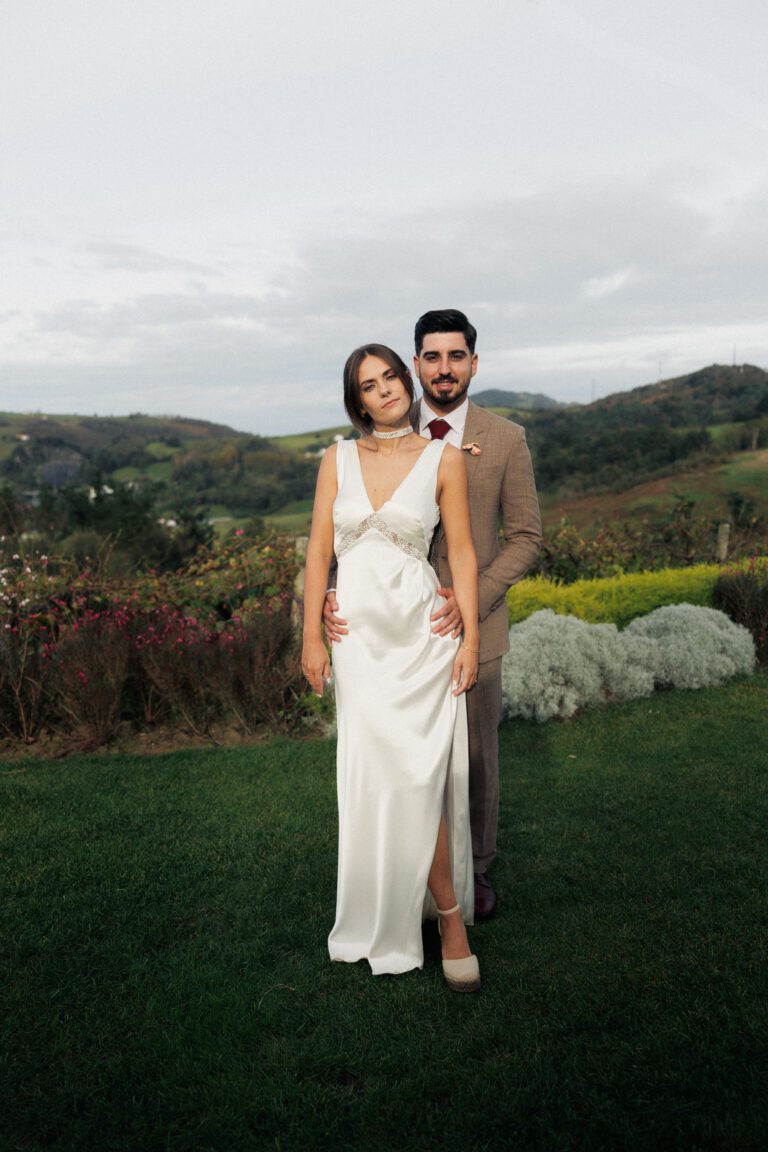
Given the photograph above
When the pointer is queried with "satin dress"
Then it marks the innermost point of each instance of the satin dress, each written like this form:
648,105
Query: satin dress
402,755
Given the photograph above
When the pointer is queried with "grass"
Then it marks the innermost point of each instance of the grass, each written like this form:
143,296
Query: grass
297,524
311,441
166,983
743,473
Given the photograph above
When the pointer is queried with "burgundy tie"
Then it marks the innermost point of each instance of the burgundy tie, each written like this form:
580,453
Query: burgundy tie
439,428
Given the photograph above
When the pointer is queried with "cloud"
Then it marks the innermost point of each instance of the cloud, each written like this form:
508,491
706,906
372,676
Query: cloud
574,289
111,255
598,286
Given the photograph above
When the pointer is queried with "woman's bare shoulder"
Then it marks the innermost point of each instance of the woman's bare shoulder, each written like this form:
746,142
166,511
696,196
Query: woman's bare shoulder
452,457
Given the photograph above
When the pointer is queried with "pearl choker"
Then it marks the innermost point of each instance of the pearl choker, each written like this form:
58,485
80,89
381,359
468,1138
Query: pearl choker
392,435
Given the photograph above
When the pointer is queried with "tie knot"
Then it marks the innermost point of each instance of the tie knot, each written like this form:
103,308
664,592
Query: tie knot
438,428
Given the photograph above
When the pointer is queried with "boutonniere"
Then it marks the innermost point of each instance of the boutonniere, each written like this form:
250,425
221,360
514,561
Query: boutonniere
473,448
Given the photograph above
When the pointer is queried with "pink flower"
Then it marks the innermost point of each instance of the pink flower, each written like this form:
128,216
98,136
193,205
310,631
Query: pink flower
472,448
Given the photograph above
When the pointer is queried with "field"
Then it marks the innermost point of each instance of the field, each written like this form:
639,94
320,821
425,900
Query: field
166,982
626,458
745,473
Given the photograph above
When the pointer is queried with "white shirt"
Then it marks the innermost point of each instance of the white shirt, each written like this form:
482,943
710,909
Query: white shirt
457,419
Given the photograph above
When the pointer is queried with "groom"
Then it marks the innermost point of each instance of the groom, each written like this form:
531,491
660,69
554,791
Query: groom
502,494
501,490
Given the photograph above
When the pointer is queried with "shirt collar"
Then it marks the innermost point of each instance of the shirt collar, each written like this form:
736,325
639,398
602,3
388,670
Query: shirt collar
457,419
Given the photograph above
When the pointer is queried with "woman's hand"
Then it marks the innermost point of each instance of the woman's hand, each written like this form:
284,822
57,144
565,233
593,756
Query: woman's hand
464,670
315,665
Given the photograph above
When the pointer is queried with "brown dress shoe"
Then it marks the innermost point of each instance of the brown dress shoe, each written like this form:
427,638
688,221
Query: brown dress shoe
485,897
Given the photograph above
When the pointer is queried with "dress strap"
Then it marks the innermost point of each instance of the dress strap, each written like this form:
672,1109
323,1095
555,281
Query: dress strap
342,450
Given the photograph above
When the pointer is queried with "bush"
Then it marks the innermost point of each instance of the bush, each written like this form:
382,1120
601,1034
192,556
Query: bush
615,599
27,636
558,664
91,660
697,647
24,678
743,595
175,656
257,671
211,643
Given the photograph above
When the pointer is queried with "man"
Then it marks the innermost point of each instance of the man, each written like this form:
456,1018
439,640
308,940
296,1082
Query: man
501,485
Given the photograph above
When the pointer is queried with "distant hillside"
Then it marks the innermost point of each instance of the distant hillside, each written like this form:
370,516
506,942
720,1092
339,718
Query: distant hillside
716,395
654,430
187,465
522,401
709,424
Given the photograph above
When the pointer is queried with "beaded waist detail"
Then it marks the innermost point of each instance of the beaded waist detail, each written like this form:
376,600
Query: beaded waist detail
376,522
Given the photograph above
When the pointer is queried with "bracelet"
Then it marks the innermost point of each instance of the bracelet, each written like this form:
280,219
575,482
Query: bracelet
329,590
474,651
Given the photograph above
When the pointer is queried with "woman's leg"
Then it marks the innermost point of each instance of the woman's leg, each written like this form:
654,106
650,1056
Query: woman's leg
440,881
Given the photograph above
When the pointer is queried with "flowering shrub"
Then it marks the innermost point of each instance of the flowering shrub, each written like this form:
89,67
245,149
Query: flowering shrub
90,660
257,671
27,635
175,657
558,664
210,643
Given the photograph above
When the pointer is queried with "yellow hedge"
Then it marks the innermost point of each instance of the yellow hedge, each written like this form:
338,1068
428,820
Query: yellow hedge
616,599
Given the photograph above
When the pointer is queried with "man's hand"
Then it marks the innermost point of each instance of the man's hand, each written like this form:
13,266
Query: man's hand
448,618
335,626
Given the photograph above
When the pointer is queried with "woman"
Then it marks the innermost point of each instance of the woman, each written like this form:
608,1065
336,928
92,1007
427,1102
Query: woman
401,717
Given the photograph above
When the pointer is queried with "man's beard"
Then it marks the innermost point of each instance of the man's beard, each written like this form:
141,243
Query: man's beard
445,400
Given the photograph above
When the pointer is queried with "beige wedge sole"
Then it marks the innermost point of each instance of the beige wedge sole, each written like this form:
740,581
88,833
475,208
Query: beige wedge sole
460,975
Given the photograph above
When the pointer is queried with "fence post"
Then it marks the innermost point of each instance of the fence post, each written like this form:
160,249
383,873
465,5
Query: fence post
723,536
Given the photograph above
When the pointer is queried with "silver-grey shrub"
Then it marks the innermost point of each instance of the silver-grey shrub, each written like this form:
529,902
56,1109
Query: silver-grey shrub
558,664
698,647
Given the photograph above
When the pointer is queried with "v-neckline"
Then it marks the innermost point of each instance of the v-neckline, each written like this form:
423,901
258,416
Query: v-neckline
395,491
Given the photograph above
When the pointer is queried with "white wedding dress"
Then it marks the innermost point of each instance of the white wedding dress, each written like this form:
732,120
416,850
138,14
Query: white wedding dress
402,736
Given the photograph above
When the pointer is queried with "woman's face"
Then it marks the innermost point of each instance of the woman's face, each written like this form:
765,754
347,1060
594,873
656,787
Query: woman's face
383,396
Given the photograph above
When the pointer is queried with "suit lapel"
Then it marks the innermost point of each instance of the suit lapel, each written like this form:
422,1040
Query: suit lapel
476,425
475,430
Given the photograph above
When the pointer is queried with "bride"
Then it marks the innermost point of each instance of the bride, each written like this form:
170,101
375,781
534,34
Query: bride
402,764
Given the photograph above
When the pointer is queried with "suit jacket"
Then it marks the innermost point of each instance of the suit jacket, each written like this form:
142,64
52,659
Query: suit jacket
502,495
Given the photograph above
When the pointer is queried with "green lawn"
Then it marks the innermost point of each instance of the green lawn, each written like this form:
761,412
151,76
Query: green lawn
311,441
295,518
165,981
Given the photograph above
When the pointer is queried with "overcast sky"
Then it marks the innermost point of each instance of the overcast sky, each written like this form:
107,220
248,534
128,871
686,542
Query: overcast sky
206,204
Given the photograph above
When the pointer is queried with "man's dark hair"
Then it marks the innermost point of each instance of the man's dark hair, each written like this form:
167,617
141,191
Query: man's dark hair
444,320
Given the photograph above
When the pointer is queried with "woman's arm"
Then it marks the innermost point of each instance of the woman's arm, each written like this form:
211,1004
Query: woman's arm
454,512
314,656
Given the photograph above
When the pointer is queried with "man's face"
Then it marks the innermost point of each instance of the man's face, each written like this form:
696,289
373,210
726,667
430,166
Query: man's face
445,368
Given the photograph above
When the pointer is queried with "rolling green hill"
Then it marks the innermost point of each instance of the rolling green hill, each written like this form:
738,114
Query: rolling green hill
704,434
515,401
657,430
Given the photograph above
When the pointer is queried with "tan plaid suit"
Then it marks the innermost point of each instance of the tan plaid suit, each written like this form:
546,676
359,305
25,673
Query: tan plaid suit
506,532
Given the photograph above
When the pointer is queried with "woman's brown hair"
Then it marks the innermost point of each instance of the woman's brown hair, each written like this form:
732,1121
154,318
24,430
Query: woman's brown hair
364,423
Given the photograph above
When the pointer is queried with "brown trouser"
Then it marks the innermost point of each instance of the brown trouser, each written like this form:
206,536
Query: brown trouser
483,719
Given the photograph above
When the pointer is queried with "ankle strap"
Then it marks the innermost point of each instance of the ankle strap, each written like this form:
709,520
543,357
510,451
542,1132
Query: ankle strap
448,911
